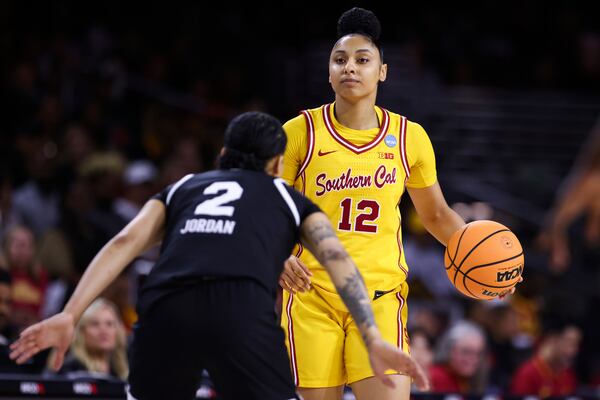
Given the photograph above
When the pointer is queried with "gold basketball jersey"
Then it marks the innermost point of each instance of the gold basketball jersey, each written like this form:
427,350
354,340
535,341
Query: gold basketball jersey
359,186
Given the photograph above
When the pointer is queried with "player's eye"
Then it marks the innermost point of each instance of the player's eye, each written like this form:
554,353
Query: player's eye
340,60
363,60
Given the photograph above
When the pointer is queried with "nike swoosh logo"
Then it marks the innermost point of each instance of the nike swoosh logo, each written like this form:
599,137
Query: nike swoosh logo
324,153
379,293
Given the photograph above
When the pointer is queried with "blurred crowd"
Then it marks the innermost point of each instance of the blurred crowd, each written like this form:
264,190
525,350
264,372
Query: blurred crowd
99,114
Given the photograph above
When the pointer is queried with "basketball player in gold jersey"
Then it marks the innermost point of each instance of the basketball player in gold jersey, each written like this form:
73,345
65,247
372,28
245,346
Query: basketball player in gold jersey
355,159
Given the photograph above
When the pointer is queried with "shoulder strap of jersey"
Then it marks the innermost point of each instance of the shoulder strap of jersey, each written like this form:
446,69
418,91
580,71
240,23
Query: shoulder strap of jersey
176,186
310,142
282,189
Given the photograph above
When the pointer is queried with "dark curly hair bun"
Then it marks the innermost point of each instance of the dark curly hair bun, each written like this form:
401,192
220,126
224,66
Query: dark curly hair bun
251,139
360,21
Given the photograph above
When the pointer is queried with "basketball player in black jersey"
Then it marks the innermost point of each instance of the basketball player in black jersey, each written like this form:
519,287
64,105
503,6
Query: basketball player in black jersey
209,301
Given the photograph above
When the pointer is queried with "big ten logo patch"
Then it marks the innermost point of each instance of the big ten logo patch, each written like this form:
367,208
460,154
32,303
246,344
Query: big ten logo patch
386,156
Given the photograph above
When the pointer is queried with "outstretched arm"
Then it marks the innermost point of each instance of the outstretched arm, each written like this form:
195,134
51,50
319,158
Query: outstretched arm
145,230
579,195
581,198
318,236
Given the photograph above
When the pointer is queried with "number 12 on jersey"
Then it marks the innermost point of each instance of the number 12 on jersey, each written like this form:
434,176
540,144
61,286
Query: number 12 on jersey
364,221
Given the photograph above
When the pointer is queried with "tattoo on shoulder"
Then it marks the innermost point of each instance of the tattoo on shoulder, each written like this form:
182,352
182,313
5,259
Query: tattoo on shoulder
320,231
355,296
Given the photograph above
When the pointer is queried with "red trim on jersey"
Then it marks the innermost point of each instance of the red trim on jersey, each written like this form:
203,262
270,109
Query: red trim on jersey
303,180
303,177
310,133
356,149
400,249
403,153
403,269
300,250
288,311
400,324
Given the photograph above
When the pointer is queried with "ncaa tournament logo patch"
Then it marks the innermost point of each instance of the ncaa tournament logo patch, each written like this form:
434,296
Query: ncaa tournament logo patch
390,141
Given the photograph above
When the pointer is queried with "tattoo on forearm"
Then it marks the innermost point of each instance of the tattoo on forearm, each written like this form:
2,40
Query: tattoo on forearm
319,232
333,254
355,296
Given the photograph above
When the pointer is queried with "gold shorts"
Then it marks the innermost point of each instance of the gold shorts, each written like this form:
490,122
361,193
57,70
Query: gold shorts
323,341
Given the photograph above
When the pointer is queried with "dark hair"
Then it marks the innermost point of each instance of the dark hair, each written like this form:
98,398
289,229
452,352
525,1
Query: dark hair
418,330
251,139
5,277
553,324
362,22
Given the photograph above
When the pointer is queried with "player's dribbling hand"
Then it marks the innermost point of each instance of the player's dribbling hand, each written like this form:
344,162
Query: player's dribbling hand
56,332
512,290
295,276
384,356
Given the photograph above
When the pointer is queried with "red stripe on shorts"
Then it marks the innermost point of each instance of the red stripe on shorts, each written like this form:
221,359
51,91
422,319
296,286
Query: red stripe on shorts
400,324
288,311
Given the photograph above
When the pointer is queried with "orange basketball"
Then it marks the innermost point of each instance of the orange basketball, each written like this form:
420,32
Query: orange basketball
484,260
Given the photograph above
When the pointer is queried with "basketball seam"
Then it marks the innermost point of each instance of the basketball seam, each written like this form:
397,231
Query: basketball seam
486,265
457,246
456,253
473,249
495,262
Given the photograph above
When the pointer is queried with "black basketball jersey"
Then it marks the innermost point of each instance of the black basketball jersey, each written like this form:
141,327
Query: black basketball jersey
227,224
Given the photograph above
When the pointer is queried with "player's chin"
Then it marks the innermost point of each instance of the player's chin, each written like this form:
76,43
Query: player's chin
350,90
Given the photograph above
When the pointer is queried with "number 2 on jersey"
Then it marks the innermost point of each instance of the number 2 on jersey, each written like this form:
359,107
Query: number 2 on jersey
215,206
361,223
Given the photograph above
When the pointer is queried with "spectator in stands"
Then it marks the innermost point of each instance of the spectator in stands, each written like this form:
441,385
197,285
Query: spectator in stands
8,214
75,147
431,319
99,345
7,331
37,201
102,171
76,240
550,371
182,160
426,258
138,186
29,278
460,360
509,345
421,350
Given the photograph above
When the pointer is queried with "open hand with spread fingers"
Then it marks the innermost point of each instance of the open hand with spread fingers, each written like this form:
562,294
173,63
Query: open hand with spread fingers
384,356
56,332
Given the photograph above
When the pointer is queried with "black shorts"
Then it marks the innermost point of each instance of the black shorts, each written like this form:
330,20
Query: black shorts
227,327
